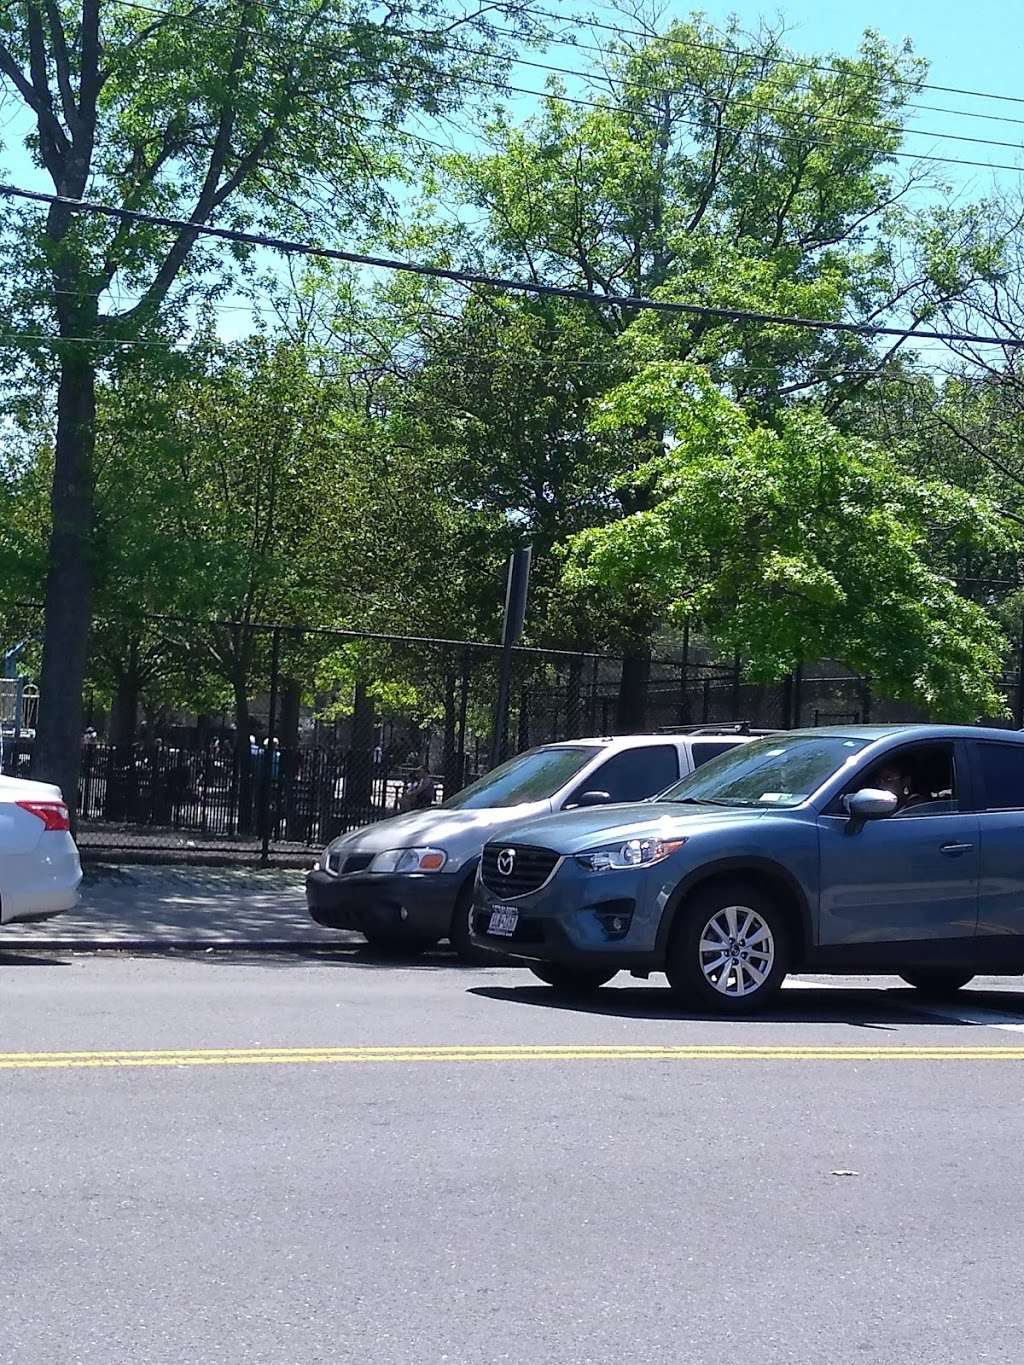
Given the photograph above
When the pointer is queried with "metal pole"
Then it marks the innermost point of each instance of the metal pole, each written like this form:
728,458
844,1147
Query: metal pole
798,682
499,741
684,679
515,611
268,752
463,709
1019,709
736,688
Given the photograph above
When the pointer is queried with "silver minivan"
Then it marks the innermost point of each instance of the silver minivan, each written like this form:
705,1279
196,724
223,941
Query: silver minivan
407,882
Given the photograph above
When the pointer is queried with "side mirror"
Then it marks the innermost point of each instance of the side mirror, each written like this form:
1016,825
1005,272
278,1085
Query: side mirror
868,804
593,798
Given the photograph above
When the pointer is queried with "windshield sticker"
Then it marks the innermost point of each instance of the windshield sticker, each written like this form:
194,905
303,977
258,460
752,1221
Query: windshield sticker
781,796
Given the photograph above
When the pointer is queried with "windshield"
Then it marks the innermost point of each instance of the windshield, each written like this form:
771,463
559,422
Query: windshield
533,776
773,773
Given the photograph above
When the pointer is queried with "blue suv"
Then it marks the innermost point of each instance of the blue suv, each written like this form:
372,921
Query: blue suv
852,850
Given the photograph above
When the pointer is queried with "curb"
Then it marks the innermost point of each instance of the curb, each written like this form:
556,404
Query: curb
141,857
182,945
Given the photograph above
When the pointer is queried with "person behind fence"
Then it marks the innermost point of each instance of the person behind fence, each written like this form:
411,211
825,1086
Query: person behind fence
420,793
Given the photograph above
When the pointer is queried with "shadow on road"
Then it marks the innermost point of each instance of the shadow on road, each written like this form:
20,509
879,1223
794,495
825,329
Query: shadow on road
885,1008
358,956
30,960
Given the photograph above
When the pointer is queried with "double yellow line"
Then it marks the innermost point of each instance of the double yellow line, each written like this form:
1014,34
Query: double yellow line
304,1056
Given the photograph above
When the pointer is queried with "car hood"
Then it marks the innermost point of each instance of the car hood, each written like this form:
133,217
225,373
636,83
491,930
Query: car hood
574,831
460,832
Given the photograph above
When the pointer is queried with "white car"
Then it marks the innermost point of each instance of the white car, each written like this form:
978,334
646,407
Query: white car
39,868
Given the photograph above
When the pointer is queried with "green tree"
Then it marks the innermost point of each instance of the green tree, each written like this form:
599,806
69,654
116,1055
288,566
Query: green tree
725,172
281,118
792,542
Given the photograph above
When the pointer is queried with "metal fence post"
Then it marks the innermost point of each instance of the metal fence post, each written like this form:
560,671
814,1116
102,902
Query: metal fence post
463,715
798,683
684,677
736,688
268,751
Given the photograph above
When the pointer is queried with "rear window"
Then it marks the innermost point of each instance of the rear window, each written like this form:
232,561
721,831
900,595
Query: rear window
705,749
1002,775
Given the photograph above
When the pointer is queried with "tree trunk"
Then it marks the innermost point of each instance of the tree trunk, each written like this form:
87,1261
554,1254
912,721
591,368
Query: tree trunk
288,723
450,760
359,764
122,789
57,752
288,734
125,714
631,706
243,759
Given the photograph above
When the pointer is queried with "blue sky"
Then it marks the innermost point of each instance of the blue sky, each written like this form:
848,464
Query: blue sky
971,44
977,45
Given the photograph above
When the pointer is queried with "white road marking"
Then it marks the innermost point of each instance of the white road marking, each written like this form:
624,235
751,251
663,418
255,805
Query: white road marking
956,1012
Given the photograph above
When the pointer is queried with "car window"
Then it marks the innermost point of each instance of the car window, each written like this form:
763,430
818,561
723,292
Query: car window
704,750
769,773
922,777
1002,775
532,776
633,774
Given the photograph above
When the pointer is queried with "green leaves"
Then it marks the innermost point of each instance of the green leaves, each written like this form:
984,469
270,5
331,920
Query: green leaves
797,542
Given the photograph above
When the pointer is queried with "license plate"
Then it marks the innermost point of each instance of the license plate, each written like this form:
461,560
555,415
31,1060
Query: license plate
503,921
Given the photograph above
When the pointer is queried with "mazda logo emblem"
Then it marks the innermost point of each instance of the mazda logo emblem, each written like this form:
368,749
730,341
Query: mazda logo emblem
506,861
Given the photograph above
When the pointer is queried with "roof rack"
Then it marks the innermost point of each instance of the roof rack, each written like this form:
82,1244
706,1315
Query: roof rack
737,727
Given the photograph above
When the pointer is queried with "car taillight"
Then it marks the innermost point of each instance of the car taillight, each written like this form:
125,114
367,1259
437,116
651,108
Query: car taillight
54,814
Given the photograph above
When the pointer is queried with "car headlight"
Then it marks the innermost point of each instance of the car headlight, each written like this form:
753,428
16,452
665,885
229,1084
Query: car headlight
409,860
633,853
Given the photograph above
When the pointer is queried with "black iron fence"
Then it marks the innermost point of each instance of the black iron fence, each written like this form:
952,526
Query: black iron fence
336,726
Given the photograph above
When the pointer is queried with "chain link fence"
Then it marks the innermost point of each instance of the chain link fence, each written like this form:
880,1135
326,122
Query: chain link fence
319,732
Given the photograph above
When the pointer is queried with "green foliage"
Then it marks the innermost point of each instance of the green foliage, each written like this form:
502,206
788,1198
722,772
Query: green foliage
796,542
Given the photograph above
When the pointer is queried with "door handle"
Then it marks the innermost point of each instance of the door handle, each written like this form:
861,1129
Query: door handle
954,850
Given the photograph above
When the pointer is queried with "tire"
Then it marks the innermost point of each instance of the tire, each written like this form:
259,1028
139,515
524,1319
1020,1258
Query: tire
395,943
937,985
572,980
748,973
458,934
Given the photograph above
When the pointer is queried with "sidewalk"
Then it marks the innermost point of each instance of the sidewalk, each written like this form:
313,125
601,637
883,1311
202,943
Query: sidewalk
181,907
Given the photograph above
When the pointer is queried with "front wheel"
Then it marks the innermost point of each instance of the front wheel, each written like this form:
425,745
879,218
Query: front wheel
729,950
572,980
937,985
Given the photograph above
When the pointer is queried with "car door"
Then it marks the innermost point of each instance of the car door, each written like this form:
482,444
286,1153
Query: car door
999,770
631,774
911,877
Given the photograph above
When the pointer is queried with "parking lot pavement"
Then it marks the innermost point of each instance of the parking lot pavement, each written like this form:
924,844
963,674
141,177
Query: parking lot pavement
319,1158
165,906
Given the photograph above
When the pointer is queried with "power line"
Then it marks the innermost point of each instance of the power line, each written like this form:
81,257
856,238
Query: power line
505,87
840,120
445,356
621,31
547,39
623,303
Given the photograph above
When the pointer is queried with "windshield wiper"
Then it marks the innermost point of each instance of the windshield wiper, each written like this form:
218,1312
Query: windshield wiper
700,801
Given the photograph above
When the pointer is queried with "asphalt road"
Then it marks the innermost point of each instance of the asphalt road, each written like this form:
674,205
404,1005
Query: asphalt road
328,1159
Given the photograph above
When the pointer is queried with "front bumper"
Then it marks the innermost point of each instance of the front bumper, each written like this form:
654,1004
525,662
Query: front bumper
375,901
569,921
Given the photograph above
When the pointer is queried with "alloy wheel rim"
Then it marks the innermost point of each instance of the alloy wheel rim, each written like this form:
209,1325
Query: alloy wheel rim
736,951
